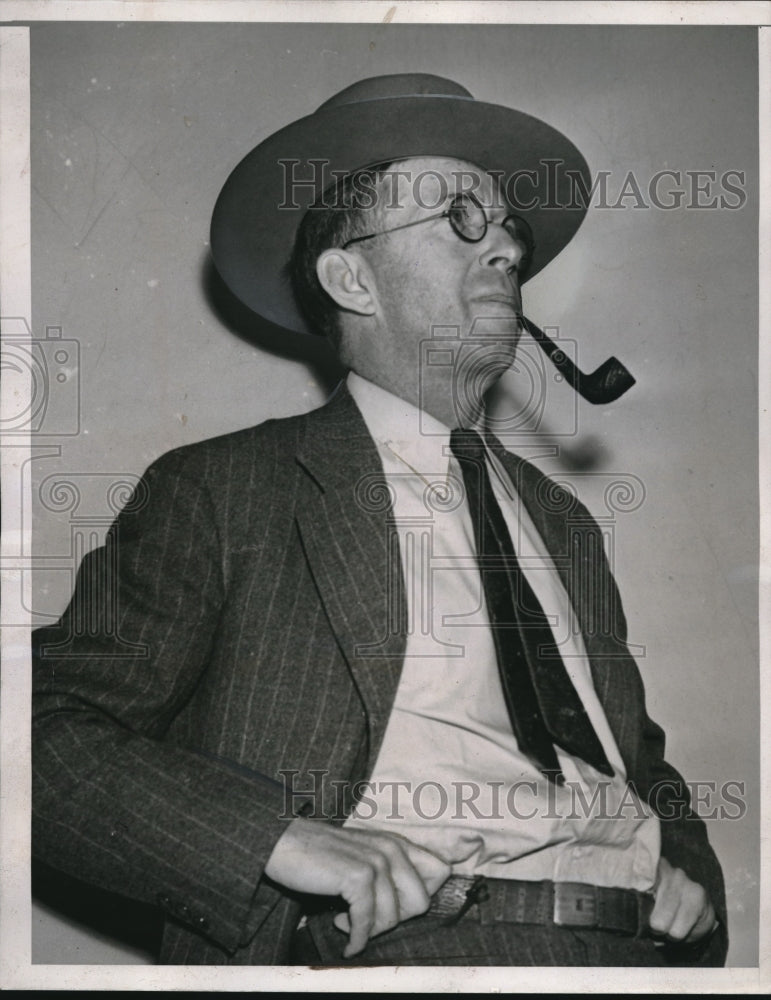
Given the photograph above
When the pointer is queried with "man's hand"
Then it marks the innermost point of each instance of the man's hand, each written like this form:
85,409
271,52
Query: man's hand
384,878
682,913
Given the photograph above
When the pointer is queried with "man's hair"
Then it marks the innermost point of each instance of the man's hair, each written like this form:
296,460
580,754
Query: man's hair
349,208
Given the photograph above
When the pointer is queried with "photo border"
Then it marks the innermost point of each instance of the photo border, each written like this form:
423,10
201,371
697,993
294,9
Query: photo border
16,970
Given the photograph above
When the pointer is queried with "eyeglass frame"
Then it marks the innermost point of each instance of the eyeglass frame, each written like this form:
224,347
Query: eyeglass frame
446,214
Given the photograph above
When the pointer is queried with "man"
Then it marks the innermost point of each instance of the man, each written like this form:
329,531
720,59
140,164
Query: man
370,599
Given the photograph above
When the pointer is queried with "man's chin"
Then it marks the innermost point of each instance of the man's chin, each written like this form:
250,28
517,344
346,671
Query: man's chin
494,345
479,366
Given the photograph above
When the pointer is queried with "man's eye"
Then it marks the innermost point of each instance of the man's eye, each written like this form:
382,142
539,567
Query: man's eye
467,218
460,215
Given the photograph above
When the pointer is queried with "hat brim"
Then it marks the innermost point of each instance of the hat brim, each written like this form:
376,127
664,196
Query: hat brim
256,215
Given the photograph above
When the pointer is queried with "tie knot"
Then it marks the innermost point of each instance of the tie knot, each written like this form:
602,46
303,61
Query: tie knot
465,443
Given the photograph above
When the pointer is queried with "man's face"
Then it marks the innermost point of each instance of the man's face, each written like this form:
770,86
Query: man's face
426,276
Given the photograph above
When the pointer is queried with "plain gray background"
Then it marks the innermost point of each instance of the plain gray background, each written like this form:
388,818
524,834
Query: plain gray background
134,130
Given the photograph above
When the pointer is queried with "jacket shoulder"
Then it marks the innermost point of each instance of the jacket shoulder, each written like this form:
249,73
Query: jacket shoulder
264,445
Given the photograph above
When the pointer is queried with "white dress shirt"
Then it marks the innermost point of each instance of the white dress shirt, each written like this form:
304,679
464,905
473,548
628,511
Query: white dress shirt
449,775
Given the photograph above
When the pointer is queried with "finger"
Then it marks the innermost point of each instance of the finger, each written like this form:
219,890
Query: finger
694,917
664,910
372,900
681,924
706,925
410,891
387,909
694,911
683,910
342,923
431,870
361,916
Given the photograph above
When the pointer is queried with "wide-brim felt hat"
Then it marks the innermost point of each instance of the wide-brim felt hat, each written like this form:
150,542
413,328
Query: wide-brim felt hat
376,120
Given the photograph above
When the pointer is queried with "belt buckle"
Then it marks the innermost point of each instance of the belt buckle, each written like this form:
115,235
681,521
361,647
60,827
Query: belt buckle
575,904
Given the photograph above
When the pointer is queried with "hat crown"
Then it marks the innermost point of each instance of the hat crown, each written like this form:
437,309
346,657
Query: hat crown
382,118
376,88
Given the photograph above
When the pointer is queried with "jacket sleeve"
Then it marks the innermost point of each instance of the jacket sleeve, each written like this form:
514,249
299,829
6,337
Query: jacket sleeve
684,841
114,803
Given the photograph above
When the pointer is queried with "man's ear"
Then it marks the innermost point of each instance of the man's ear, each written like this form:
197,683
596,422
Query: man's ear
346,278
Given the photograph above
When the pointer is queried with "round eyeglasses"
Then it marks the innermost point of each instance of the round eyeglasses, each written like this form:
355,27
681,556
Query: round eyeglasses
469,222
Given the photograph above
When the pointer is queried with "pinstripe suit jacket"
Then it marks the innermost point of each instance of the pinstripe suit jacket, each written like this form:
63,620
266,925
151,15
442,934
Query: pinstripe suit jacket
246,617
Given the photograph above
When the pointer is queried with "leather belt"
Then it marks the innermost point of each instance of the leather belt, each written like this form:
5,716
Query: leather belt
566,904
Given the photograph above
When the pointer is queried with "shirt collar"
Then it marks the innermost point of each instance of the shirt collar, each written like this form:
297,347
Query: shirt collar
403,433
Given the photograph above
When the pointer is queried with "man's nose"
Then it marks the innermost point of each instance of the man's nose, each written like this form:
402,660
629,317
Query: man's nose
500,249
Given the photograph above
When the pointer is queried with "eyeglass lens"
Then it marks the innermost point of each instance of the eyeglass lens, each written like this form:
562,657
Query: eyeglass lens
468,219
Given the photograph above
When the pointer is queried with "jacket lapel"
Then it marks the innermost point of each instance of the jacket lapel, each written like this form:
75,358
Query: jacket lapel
344,516
345,519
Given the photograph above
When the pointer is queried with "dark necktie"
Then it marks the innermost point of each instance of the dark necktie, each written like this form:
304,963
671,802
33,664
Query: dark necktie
543,705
